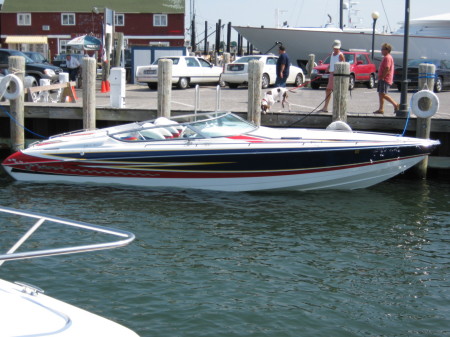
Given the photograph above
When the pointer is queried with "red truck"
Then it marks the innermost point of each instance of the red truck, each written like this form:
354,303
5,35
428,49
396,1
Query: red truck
362,70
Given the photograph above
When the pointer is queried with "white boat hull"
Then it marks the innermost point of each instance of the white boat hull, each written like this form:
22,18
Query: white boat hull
301,42
345,179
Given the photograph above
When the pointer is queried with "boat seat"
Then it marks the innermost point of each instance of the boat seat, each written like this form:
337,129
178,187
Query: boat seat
152,133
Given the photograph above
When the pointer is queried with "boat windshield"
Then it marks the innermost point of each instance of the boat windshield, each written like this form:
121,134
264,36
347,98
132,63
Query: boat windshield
223,126
195,126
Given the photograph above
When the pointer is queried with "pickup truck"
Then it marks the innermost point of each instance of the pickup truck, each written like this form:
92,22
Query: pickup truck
362,70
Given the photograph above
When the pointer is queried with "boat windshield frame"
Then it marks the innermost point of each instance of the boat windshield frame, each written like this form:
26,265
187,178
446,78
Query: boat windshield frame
193,126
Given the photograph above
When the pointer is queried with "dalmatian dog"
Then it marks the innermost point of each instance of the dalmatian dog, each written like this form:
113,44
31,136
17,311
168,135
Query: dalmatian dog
282,95
267,102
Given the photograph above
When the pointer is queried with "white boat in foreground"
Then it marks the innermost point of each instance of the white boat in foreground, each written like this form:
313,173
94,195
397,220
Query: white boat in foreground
26,311
219,151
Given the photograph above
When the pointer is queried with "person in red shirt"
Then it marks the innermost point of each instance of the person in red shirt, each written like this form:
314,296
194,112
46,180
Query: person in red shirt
385,79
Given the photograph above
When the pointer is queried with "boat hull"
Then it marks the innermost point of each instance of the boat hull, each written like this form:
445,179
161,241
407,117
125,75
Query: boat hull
301,42
235,170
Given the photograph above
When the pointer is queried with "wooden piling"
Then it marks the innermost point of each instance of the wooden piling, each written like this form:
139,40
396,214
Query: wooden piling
310,66
340,91
164,87
89,95
118,50
226,58
423,125
106,63
16,66
255,70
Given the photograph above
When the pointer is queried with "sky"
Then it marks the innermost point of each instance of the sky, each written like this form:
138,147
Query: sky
306,13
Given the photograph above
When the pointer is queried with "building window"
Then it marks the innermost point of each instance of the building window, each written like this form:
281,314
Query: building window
160,20
63,46
68,19
159,44
119,19
23,19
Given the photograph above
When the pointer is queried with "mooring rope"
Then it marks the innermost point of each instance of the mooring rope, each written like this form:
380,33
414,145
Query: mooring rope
22,126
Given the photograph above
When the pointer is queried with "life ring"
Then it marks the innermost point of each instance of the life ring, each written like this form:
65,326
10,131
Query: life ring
424,103
339,126
4,84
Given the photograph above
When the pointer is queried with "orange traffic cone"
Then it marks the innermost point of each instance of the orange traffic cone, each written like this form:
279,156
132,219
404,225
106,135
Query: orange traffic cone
74,92
104,87
108,88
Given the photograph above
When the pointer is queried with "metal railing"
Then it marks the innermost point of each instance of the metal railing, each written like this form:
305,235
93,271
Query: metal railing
125,237
197,98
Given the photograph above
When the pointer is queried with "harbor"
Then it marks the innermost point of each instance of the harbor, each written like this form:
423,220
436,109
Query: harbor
232,216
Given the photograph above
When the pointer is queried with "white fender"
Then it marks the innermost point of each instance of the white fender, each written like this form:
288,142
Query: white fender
423,110
339,126
4,84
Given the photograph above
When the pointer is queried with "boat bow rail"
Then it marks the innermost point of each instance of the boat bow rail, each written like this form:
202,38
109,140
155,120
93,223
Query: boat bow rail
124,237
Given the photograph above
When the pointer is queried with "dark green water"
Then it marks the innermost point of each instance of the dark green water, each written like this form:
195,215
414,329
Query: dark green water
373,262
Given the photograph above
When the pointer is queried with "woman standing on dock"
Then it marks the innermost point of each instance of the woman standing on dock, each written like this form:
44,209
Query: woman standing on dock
385,79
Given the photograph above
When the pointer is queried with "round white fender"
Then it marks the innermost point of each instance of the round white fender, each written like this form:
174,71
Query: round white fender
5,83
339,126
424,103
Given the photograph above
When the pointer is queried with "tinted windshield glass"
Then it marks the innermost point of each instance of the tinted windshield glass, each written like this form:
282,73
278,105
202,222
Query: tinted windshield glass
175,60
350,58
18,53
247,59
415,63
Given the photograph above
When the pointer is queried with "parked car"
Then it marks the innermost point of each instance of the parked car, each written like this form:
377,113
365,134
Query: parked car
186,70
60,60
36,57
236,73
441,79
37,70
362,70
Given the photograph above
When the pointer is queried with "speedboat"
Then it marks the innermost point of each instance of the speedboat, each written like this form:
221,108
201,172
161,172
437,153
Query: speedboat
219,151
26,311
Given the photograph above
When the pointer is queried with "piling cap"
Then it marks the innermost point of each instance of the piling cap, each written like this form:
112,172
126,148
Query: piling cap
337,44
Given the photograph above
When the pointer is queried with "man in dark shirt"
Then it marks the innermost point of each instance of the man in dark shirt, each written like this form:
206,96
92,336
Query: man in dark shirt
283,65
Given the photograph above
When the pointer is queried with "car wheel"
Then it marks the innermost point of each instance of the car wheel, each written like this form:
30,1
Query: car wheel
183,83
233,85
371,83
265,81
315,85
298,80
351,82
152,86
438,84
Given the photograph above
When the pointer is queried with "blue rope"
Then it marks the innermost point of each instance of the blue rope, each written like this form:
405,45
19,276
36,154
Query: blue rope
407,119
427,75
23,127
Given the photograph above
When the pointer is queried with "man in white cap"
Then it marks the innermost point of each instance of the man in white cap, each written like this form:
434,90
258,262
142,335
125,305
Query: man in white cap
336,56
